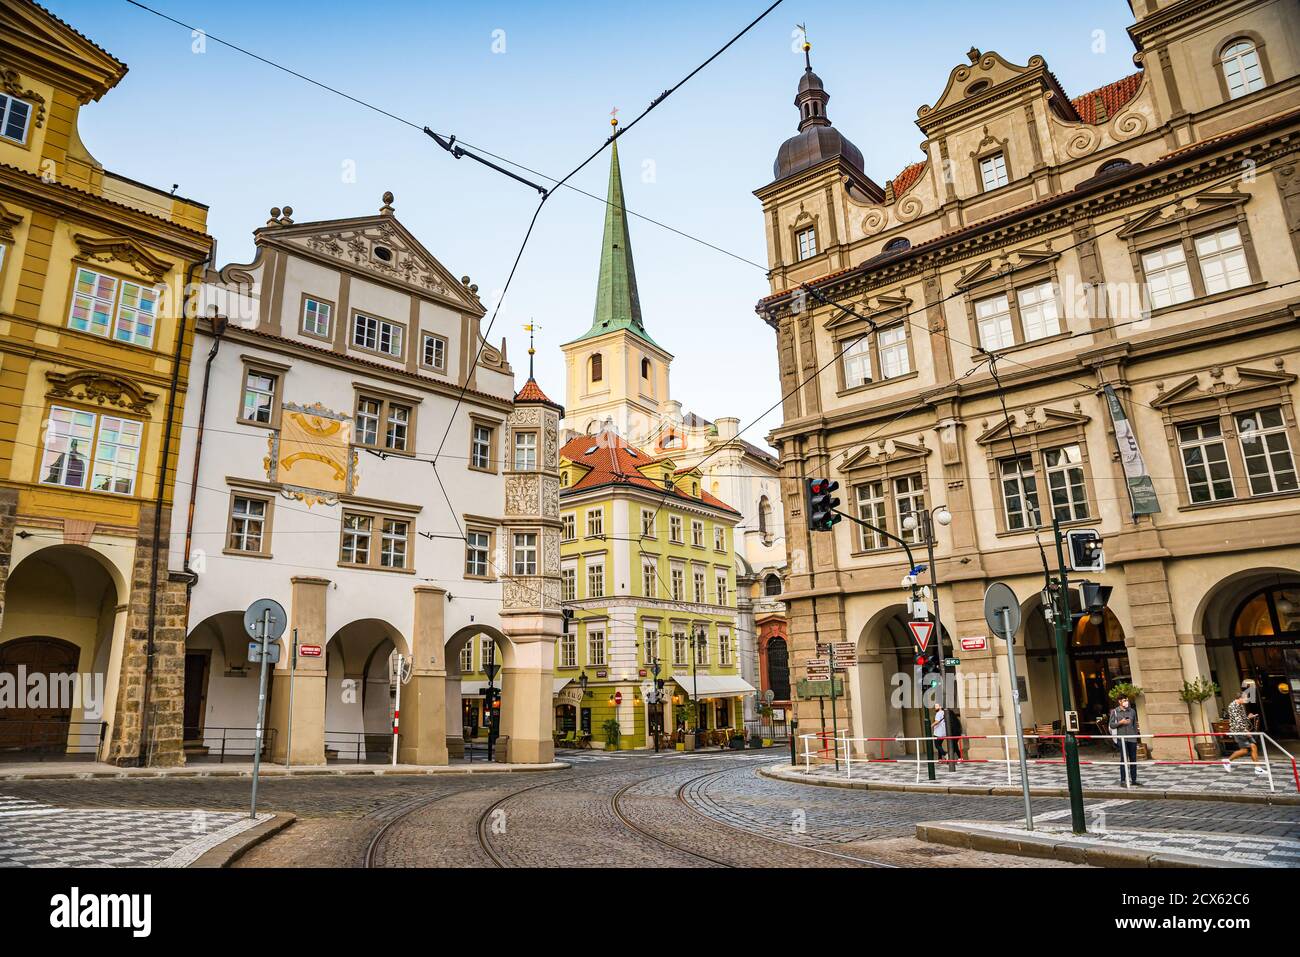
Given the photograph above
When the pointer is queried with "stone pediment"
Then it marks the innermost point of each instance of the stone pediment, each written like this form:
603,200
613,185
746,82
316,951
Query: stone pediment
100,388
123,251
995,269
877,310
1248,380
1203,205
1030,424
378,247
37,42
884,452
982,79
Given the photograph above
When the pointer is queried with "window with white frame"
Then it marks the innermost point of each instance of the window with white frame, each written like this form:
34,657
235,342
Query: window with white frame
569,651
394,534
1205,462
993,171
568,527
701,589
856,359
434,352
1241,69
1266,449
1019,492
892,346
595,646
720,581
1039,315
99,300
1065,482
382,424
396,426
477,546
909,499
1169,281
701,647
595,579
651,643
366,421
871,508
675,529
677,581
14,117
487,651
259,396
357,530
377,335
83,447
697,534
525,451
647,523
316,316
481,447
525,553
1223,260
595,522
679,647
719,538
569,583
649,578
467,658
724,647
248,518
807,241
993,322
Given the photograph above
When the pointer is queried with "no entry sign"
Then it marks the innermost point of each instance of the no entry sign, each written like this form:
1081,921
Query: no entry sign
309,651
921,631
618,697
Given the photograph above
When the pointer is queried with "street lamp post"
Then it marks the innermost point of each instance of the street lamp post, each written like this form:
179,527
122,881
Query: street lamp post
941,515
698,639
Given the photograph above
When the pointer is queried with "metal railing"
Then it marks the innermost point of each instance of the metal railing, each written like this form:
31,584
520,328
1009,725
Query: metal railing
231,742
774,731
43,739
826,748
359,747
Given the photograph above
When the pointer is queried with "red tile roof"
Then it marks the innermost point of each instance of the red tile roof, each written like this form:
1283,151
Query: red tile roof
611,461
1114,96
532,392
905,179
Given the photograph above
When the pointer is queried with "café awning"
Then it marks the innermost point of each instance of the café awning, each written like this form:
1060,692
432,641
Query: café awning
714,686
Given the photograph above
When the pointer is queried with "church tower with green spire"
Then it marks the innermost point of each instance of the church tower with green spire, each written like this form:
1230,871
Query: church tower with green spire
617,376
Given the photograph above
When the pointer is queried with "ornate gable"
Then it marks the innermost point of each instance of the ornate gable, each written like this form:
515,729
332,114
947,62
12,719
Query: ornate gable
1029,423
125,251
878,310
378,246
884,452
1205,204
1248,380
995,269
38,43
100,388
987,77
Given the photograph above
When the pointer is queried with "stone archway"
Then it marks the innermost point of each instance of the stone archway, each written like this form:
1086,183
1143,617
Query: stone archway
883,687
464,700
221,690
358,691
62,617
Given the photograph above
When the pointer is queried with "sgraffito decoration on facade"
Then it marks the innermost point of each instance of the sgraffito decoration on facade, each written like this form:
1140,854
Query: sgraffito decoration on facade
311,455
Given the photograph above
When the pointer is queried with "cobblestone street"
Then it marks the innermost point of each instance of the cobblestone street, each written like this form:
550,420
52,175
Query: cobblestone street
626,810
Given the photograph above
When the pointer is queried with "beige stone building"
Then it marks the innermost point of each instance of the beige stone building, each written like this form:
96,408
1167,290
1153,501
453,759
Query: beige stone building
1142,237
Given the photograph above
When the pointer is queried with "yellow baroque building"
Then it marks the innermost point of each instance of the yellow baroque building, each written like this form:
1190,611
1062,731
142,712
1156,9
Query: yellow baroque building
94,362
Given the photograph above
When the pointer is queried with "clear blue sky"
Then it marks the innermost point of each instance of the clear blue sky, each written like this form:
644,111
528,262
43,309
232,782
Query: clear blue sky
242,137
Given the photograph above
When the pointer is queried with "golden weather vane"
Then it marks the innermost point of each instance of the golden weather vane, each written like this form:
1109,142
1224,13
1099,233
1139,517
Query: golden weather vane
529,328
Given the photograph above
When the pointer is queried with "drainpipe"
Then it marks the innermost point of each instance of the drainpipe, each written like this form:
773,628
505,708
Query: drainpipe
219,324
156,546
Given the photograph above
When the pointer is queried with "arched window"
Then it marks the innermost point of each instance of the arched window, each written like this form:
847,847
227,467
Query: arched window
772,584
1239,61
764,516
597,368
1110,166
645,368
778,668
897,244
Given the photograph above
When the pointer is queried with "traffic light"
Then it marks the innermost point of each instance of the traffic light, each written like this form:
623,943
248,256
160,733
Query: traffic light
1093,598
1086,554
567,615
822,516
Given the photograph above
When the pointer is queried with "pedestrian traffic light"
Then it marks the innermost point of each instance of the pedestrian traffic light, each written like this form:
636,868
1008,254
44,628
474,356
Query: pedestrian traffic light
1086,554
1093,598
822,516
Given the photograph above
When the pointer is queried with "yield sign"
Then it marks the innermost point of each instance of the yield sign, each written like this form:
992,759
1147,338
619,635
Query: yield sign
921,631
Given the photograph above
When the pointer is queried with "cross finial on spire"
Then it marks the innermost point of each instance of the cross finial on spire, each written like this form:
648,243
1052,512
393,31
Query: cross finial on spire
613,117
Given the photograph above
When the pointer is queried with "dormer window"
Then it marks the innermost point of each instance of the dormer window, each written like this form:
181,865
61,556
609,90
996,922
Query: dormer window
14,117
993,172
807,243
897,244
1241,70
383,254
979,86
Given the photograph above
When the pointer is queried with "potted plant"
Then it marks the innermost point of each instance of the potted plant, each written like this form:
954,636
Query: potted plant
1126,689
737,739
613,732
1195,694
681,717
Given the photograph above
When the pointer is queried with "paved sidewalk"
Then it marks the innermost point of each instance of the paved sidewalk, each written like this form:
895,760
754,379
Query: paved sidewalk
1114,848
49,770
38,835
1048,779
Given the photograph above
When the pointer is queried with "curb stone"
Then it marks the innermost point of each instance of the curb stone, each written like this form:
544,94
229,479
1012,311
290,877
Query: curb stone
231,850
1065,849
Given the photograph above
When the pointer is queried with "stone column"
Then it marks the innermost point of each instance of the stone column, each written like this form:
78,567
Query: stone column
424,699
112,677
1155,658
307,616
8,518
983,687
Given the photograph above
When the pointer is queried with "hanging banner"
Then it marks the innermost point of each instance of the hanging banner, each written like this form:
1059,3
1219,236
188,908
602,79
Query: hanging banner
1141,491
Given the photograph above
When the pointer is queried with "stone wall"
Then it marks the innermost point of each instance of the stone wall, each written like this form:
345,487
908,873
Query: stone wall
8,517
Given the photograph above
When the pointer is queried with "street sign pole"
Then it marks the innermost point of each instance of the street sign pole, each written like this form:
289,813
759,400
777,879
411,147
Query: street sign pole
397,707
1007,634
293,666
265,628
1063,622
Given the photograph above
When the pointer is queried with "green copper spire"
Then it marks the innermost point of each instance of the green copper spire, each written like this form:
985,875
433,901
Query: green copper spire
617,304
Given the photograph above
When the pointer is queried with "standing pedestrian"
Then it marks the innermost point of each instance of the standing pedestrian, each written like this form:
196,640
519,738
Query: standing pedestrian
939,729
1239,728
1123,725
